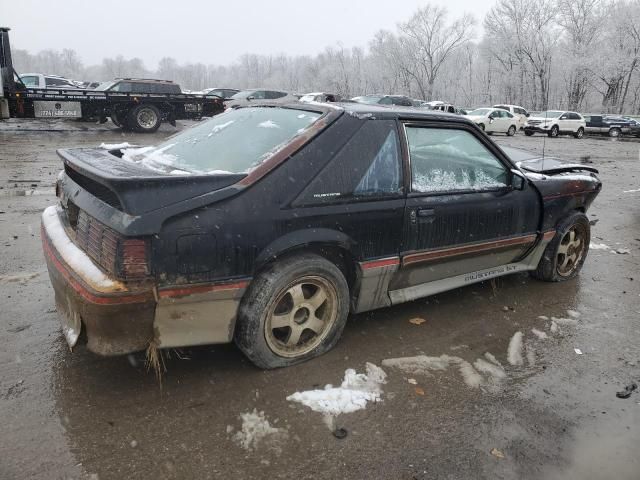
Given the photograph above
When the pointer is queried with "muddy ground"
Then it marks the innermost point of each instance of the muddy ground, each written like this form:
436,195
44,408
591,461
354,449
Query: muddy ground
65,415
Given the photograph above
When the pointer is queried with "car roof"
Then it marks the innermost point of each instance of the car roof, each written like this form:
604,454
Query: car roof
381,112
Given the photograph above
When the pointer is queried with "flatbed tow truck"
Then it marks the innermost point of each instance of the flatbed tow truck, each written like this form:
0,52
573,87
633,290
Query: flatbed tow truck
141,112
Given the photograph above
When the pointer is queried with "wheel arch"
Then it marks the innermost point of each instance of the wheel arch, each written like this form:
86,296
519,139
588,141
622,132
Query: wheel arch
330,244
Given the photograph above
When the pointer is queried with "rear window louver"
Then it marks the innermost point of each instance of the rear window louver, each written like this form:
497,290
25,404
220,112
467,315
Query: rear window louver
98,190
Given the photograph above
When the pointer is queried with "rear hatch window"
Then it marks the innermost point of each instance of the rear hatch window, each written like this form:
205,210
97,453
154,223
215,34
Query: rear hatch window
230,143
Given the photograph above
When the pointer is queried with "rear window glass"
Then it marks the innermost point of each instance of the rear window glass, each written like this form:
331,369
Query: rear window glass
230,143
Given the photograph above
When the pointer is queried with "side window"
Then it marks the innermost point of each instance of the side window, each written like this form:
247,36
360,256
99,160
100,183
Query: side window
367,166
449,160
50,82
386,101
259,95
271,95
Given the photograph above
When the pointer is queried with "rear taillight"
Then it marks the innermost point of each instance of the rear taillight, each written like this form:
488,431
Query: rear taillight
134,261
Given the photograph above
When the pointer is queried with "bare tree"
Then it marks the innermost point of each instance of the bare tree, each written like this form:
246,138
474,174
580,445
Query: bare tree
428,41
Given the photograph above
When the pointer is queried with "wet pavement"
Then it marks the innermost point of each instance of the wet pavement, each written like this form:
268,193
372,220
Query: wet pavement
65,415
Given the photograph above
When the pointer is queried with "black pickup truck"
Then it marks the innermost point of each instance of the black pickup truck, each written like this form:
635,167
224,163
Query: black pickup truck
133,104
607,125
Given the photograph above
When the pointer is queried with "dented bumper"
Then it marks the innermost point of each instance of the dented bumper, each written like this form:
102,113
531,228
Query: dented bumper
120,318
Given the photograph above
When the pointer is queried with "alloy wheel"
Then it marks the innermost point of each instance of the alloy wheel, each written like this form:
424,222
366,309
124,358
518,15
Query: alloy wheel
301,317
571,250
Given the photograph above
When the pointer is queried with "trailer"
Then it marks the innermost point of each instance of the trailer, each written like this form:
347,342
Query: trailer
140,112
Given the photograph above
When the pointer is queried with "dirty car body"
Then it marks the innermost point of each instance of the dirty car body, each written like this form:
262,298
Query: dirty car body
159,247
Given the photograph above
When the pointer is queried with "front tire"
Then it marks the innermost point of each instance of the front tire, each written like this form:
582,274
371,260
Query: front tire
293,311
615,132
512,131
145,118
565,255
554,131
528,133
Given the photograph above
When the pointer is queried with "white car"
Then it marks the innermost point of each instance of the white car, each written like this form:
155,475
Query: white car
259,96
494,120
517,111
320,97
38,80
555,122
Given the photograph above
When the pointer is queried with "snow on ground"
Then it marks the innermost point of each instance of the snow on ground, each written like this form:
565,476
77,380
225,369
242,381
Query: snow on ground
70,253
422,364
514,352
539,333
564,321
489,368
573,313
115,146
554,327
598,246
256,430
356,390
631,191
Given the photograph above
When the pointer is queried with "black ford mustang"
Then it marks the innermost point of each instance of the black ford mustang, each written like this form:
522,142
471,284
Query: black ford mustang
268,225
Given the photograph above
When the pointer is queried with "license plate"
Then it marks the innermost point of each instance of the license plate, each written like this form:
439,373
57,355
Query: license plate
53,109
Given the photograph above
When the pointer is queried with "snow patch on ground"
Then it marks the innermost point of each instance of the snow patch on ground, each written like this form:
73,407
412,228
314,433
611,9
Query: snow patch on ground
489,368
573,313
554,327
539,333
115,146
514,352
70,253
256,430
422,364
565,321
356,390
598,246
631,191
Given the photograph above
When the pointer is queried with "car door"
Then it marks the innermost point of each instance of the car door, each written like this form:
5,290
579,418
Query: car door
501,121
565,124
463,214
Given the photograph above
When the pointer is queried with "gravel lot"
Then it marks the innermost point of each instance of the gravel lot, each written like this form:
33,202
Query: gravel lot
77,415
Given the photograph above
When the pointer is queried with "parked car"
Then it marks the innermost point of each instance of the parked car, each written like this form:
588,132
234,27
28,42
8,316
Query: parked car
441,106
607,125
259,97
223,93
140,85
494,120
320,97
634,128
38,80
517,111
244,227
384,100
555,122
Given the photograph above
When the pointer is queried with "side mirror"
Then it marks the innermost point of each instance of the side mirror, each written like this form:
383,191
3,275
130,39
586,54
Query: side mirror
251,97
518,180
527,115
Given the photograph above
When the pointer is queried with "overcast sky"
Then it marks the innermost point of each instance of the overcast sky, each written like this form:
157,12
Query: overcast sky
211,32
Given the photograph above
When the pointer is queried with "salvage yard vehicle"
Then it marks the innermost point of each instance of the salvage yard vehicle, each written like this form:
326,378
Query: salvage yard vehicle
268,225
494,120
384,100
607,125
517,111
259,96
38,80
142,111
320,97
556,122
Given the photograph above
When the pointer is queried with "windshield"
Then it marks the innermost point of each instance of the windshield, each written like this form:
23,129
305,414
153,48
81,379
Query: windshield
479,112
549,114
370,99
230,143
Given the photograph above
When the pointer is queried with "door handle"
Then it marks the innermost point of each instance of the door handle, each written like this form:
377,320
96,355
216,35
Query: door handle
426,212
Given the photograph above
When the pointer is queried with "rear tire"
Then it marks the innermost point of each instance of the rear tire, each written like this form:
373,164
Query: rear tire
512,131
119,119
293,311
580,133
145,118
565,255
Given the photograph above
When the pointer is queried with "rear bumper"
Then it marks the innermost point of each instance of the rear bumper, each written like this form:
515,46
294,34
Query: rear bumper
120,318
116,319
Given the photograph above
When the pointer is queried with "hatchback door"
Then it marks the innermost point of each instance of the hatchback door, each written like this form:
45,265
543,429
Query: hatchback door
462,216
